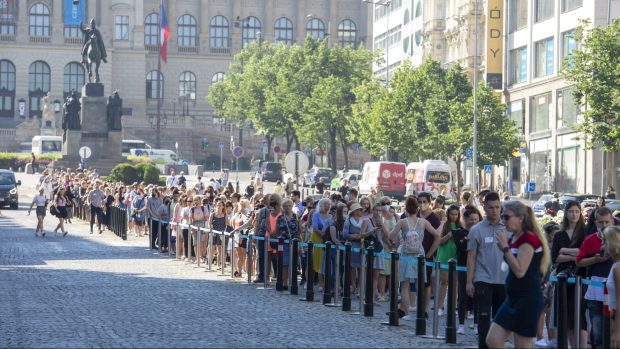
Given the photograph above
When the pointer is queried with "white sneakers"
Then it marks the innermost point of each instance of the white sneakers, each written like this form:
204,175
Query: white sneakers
440,312
461,329
407,318
541,343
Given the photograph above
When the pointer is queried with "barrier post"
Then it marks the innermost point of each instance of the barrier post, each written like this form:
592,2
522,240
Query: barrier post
159,235
210,250
336,286
393,313
232,256
169,236
369,293
177,245
562,316
197,242
327,296
450,317
435,334
346,288
188,245
248,265
266,266
280,265
577,320
293,266
420,321
310,277
606,319
124,225
362,283
222,258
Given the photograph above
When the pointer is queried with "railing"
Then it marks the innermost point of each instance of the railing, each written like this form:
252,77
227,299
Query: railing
41,39
224,51
188,49
151,48
71,40
7,37
7,133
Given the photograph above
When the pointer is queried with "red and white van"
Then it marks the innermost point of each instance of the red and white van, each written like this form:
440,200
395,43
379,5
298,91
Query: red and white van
387,177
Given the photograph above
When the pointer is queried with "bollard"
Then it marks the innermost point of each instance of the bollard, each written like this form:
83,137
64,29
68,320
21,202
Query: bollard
294,263
266,266
606,319
159,235
232,256
420,321
248,264
177,245
450,317
562,316
336,287
197,242
393,320
346,288
222,258
310,277
124,225
210,251
327,297
435,334
280,265
188,245
362,283
578,298
369,293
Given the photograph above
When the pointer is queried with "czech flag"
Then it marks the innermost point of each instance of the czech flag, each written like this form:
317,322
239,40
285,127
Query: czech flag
164,31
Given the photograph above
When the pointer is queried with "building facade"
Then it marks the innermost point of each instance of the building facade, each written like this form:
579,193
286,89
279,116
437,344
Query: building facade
40,45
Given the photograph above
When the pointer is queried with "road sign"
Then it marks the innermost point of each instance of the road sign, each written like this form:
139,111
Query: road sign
221,145
469,153
238,152
185,162
299,158
276,149
530,187
488,169
85,152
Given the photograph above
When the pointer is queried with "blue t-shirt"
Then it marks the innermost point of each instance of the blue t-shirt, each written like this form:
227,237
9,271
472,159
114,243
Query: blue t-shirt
320,223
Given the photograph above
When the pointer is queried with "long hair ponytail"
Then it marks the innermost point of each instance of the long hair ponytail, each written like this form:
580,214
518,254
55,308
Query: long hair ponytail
531,224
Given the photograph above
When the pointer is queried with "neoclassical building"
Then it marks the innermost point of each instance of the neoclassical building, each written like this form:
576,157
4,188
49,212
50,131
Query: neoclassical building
40,45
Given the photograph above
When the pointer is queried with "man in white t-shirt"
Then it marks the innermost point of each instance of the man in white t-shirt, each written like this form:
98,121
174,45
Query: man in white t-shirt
171,181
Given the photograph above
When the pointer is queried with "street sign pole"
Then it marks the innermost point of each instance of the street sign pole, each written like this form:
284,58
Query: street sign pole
221,159
237,176
297,171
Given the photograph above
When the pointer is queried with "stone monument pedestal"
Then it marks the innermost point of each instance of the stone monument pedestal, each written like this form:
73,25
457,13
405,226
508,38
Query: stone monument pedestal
105,145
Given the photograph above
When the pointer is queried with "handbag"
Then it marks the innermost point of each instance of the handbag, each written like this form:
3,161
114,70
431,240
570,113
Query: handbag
53,210
374,241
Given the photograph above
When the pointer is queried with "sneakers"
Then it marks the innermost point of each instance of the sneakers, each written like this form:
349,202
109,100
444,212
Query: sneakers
461,329
441,312
407,318
65,233
411,308
541,343
470,316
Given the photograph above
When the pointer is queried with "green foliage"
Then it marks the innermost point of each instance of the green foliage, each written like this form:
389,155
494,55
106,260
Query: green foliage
594,70
148,172
128,173
17,160
135,159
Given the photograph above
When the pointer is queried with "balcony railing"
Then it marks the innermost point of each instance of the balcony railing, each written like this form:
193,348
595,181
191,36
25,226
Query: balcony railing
7,37
71,40
41,39
151,48
188,49
223,51
7,133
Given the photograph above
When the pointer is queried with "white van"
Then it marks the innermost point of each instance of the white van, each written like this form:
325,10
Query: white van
47,144
432,176
160,156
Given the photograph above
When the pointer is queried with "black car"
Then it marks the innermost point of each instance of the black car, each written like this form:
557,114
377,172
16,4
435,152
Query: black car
271,171
8,189
565,198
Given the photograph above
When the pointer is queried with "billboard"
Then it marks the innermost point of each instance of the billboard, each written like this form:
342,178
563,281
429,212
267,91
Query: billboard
74,14
495,43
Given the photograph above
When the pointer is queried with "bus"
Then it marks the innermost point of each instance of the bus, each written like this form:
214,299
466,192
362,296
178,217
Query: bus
47,144
129,144
431,176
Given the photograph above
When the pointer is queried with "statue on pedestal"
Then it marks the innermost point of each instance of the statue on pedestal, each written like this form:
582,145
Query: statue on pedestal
115,112
93,50
72,107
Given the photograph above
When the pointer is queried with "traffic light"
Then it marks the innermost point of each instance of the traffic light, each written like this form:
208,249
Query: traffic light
205,145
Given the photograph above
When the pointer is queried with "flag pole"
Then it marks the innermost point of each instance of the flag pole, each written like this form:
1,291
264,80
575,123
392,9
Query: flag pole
158,129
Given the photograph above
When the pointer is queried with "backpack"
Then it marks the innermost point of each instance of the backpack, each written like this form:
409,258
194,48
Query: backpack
411,243
54,210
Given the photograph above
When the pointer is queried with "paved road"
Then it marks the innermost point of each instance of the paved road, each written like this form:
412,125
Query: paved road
99,291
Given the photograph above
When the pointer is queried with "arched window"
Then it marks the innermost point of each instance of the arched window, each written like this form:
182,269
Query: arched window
187,85
219,32
7,88
151,84
418,9
347,33
418,38
284,31
217,77
186,31
73,78
38,85
151,30
315,28
407,17
250,31
39,20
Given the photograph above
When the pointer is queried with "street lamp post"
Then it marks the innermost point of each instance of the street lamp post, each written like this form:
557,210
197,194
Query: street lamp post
474,184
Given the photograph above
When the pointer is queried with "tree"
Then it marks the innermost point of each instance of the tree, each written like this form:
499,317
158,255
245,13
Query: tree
594,70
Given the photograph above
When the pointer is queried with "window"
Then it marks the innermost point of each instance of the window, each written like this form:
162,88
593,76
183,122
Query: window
568,5
187,85
567,169
217,77
518,14
186,31
543,57
516,111
315,28
38,85
407,17
7,87
568,46
8,17
39,20
151,30
389,39
418,9
151,84
567,107
7,28
250,31
418,38
72,31
73,78
544,9
219,32
347,33
284,31
518,65
381,10
121,27
539,116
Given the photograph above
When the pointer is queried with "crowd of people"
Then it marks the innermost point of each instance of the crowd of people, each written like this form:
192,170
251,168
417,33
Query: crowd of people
510,259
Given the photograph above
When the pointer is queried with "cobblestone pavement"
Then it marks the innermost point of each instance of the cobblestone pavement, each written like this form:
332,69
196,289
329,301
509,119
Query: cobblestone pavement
85,291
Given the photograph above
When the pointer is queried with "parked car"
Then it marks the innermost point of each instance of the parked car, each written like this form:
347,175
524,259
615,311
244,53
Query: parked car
272,171
539,207
565,198
353,176
613,205
8,189
312,177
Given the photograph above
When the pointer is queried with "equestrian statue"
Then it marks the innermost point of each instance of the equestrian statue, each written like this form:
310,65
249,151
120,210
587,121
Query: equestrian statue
93,50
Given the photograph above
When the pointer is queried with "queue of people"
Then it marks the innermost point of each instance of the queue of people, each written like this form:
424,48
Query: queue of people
510,260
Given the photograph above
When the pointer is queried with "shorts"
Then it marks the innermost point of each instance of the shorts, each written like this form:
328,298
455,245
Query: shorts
139,222
41,211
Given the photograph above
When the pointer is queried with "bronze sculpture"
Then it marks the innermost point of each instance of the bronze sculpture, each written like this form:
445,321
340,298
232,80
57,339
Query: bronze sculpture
115,111
71,117
93,50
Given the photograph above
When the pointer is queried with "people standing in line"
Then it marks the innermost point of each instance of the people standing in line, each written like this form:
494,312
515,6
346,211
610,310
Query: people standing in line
471,216
389,222
426,212
138,208
171,181
41,207
408,235
597,265
485,280
185,222
611,237
60,201
163,215
352,233
526,256
152,205
288,229
71,203
320,186
108,201
95,199
306,232
373,231
550,229
242,219
271,231
566,244
321,221
199,215
447,250
260,231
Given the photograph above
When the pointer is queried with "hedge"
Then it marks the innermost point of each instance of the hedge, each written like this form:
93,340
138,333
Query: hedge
142,172
17,160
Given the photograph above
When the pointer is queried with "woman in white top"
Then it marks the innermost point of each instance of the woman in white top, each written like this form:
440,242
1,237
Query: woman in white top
611,242
41,202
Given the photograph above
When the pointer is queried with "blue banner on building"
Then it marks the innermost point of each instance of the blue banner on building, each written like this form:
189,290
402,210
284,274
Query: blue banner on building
74,14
